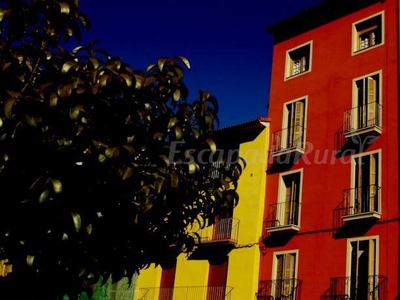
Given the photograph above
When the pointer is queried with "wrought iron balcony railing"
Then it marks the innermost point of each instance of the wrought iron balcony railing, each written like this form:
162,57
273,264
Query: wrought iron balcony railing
185,293
358,203
362,200
364,119
226,229
283,216
372,287
288,140
282,289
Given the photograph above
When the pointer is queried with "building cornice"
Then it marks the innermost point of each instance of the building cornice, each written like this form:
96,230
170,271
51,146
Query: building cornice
316,16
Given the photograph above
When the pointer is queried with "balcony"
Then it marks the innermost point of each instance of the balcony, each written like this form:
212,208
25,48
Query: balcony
363,122
288,142
359,206
283,217
288,289
185,293
361,203
217,239
346,288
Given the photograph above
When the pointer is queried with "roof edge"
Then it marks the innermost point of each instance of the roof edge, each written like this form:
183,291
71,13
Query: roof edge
315,16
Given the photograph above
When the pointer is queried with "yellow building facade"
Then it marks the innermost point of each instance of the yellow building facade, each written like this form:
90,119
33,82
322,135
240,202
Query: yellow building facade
226,264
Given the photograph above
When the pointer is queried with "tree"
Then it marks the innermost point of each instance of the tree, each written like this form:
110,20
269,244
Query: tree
103,169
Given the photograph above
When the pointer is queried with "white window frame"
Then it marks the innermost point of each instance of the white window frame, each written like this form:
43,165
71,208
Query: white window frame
348,255
285,120
282,193
275,263
288,61
355,95
353,175
354,44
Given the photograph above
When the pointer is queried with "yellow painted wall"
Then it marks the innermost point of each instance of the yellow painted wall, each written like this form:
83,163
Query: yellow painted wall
148,278
193,274
244,260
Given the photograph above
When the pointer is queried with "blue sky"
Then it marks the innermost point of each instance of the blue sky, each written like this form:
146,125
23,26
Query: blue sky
226,42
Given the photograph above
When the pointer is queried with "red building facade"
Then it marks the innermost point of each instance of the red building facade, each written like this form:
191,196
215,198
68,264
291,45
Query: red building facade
331,228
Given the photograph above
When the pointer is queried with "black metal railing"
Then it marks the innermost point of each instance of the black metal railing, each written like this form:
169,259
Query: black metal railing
356,202
226,229
283,214
362,117
185,293
373,287
362,199
283,289
288,138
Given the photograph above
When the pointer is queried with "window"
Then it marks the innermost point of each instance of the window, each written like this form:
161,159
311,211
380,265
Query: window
365,116
288,206
285,276
366,184
364,278
298,60
368,112
294,117
291,139
367,33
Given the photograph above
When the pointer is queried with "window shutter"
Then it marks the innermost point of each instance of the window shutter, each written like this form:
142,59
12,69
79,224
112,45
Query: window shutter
303,64
287,204
279,267
277,288
373,183
358,193
294,67
289,265
371,269
298,124
290,126
294,200
371,105
360,109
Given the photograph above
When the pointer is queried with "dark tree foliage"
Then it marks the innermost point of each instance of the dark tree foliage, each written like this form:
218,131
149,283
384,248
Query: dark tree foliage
103,169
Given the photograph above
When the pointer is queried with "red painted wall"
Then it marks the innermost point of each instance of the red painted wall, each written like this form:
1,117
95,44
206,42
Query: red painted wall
167,282
217,275
329,90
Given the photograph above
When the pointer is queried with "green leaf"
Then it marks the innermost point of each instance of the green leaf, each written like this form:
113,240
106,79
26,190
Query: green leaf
178,133
57,185
43,196
177,95
102,158
29,260
158,184
64,8
89,229
3,13
185,61
76,218
95,62
172,122
139,81
161,63
127,173
74,113
150,67
174,180
8,106
67,66
53,100
127,79
212,145
192,167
